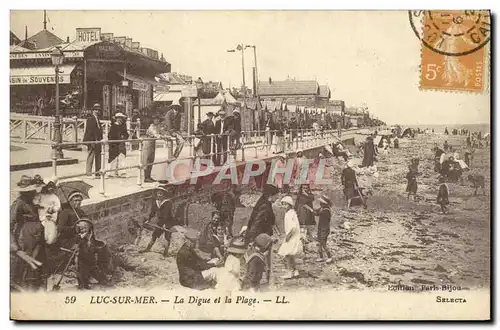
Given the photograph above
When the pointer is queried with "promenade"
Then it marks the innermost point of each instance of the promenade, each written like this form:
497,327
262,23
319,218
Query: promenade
116,187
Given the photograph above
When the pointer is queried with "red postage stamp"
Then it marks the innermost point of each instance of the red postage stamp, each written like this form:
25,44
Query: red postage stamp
455,50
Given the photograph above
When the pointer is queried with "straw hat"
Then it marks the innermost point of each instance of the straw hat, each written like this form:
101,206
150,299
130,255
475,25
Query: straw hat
237,246
324,200
236,111
287,200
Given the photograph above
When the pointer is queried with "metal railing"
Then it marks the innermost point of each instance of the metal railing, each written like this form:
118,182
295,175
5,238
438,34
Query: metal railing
250,141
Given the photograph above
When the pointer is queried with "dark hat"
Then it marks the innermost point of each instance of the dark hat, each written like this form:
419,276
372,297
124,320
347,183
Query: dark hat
210,113
85,220
263,241
176,107
270,189
27,183
216,197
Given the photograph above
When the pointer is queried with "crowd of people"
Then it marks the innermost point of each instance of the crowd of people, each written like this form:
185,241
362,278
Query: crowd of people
47,237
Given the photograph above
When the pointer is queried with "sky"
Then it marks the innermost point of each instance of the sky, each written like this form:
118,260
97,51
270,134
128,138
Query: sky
366,57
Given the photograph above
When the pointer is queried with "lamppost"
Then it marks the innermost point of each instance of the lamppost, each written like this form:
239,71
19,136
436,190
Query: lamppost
256,83
241,48
199,87
57,57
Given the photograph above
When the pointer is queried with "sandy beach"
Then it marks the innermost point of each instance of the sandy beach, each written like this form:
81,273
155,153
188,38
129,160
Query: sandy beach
395,241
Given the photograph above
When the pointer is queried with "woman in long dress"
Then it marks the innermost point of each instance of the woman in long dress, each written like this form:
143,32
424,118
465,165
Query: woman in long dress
149,147
292,244
369,153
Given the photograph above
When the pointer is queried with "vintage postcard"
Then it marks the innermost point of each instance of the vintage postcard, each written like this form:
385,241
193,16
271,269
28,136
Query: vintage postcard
250,165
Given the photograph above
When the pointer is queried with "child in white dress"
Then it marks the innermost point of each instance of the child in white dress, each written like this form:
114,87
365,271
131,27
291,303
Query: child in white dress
292,244
228,277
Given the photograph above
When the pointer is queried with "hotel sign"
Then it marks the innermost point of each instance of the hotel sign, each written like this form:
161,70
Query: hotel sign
43,55
88,34
39,79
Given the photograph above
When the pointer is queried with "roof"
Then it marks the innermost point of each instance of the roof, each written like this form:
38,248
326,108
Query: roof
45,39
18,49
14,40
324,91
26,44
288,87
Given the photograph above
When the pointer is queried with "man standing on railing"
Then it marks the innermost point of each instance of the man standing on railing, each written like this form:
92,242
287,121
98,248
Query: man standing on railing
173,126
93,132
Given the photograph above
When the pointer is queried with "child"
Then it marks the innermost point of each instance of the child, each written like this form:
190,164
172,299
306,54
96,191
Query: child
292,245
256,262
412,186
219,242
205,242
324,214
228,277
443,193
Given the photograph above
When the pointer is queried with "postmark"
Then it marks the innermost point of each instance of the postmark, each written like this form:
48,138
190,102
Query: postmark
455,45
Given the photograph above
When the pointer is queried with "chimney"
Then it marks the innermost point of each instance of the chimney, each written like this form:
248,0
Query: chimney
26,32
67,40
270,81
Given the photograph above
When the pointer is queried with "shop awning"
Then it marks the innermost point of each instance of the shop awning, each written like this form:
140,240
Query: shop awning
167,97
41,75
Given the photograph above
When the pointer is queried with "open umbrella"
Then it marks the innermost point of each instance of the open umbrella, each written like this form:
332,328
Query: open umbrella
69,187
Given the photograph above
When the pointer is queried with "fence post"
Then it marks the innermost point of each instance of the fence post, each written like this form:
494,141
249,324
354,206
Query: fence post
242,148
139,173
255,144
103,166
75,131
54,163
138,128
25,129
129,131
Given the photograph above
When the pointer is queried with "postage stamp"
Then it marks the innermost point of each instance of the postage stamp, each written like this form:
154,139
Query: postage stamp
454,50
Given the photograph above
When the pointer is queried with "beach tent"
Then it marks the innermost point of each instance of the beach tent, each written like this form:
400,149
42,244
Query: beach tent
406,132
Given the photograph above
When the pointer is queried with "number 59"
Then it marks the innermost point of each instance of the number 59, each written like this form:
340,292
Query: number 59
432,70
70,300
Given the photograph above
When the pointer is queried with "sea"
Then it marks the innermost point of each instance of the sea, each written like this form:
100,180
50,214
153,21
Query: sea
484,127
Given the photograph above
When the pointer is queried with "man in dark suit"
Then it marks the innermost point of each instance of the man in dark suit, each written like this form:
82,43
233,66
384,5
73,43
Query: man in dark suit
208,129
222,128
235,132
93,132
